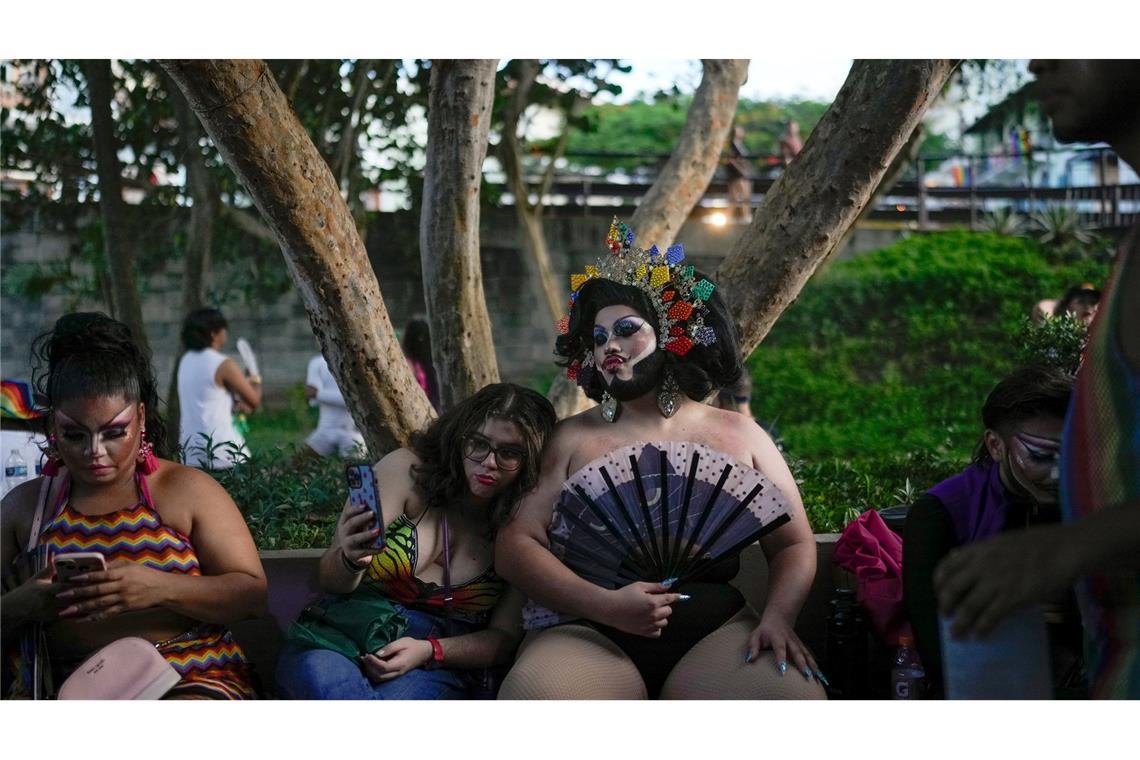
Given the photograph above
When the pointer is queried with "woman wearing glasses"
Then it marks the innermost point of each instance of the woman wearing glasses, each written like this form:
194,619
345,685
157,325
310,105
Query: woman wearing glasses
443,499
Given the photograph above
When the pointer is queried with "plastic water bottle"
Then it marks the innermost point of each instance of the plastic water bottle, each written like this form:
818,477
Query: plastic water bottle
907,674
15,470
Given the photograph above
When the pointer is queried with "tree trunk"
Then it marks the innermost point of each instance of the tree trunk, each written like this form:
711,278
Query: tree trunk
902,160
199,231
346,148
529,217
459,115
804,216
686,175
117,243
259,135
249,223
206,203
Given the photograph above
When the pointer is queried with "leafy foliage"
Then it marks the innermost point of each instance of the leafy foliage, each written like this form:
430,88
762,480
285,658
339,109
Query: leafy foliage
1004,221
290,499
353,109
1054,342
877,373
1061,226
641,134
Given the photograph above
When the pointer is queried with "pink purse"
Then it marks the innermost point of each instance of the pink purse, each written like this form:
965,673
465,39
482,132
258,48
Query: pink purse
128,668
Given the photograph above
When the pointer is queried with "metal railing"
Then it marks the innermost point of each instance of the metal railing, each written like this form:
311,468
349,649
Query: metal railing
922,197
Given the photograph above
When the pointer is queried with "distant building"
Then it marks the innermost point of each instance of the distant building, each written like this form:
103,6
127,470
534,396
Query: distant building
1017,145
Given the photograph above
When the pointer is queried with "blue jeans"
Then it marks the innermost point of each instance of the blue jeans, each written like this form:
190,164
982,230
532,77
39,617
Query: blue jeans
323,674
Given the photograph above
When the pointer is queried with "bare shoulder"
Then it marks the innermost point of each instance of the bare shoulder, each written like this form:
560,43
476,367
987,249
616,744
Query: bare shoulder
181,484
566,437
18,507
396,481
397,464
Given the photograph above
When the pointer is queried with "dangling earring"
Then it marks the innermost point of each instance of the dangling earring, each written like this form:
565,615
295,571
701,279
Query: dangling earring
586,371
146,462
610,407
668,399
54,462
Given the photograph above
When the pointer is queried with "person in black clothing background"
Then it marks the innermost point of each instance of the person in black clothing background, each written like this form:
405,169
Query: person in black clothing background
1010,485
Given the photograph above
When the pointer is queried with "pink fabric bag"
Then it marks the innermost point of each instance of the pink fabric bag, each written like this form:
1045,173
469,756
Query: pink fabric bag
872,552
127,668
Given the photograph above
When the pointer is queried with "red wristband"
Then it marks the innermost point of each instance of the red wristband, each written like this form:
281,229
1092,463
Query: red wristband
436,652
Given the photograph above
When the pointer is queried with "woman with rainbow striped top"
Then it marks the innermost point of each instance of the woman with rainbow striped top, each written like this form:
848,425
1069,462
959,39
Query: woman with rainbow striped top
180,562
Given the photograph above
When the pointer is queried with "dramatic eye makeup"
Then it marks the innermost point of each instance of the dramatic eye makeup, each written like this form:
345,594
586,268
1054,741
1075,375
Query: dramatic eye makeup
623,328
1041,451
73,432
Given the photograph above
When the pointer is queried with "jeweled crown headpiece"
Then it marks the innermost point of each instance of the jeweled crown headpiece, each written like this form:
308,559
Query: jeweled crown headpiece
677,295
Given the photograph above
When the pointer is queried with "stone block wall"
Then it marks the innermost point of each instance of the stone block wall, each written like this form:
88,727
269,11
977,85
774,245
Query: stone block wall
280,332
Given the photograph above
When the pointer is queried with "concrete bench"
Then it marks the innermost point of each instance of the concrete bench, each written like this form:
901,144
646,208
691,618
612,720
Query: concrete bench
292,576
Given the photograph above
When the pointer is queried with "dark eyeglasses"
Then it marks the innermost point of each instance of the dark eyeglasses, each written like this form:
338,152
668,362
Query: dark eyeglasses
623,328
476,448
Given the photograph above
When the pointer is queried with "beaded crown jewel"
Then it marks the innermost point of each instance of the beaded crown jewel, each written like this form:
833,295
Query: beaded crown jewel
672,286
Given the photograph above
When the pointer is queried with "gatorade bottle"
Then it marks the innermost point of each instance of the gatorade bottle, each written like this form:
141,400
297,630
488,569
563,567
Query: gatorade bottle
907,674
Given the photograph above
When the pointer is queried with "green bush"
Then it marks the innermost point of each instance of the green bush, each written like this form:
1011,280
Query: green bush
877,373
1055,342
289,497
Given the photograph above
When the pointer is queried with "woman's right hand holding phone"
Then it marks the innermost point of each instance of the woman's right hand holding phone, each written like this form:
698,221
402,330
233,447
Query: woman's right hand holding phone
35,600
356,532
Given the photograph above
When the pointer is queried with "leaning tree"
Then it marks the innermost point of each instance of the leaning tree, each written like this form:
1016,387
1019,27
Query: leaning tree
800,222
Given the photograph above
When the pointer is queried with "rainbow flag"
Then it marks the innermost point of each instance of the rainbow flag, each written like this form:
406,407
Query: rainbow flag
16,401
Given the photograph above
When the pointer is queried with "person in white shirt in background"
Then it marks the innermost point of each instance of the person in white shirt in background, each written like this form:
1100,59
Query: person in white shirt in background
211,387
336,431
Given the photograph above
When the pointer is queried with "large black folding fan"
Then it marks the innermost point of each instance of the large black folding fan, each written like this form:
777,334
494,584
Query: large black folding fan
652,511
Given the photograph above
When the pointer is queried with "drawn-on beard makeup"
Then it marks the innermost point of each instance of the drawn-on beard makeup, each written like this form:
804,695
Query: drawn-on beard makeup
647,374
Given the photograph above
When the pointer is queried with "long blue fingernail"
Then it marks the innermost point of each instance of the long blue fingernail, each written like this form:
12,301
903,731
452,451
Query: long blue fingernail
683,597
783,666
669,581
807,673
822,678
748,656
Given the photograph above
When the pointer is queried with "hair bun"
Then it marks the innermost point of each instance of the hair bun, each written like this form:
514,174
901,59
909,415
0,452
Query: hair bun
82,331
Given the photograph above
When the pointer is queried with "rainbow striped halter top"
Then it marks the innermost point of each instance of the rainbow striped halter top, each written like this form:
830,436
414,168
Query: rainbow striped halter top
135,533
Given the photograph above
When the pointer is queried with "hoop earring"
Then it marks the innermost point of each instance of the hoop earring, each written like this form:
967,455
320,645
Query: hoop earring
146,462
611,409
54,462
669,398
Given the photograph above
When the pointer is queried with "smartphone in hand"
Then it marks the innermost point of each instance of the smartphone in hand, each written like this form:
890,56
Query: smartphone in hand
67,565
362,493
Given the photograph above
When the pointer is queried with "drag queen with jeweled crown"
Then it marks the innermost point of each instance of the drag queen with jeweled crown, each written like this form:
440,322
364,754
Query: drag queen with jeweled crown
627,545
